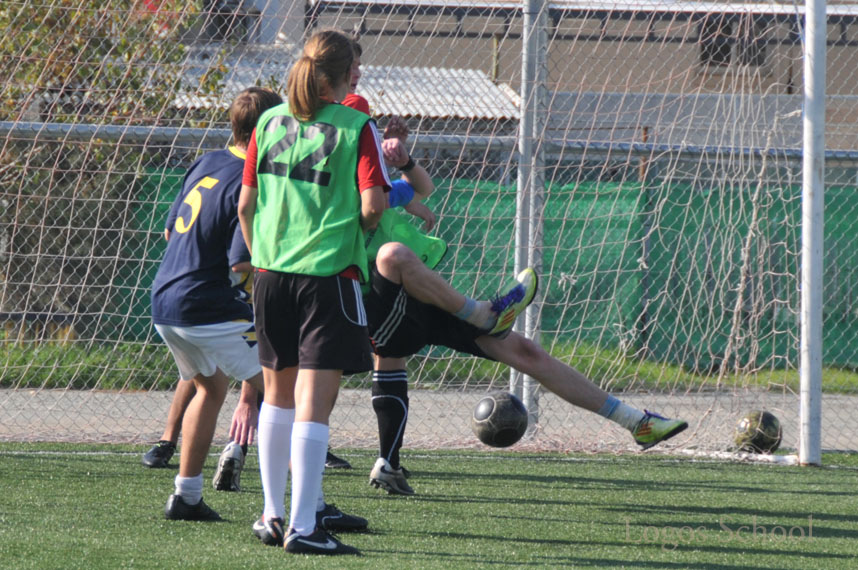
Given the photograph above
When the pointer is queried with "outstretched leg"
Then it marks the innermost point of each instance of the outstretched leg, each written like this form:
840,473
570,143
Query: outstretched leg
528,357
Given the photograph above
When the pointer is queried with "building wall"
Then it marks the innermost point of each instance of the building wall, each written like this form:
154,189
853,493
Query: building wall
583,54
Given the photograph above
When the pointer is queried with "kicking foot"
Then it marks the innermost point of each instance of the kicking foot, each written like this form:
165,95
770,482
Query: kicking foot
653,429
512,301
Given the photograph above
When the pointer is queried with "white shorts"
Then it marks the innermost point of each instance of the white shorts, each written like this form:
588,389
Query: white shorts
229,346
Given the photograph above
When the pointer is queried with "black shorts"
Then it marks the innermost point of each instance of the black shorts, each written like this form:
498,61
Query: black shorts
400,325
316,323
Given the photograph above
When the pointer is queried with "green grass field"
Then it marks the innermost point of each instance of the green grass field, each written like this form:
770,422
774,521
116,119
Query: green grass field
95,506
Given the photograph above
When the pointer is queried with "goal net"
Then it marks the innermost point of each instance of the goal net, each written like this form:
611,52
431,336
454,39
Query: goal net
667,230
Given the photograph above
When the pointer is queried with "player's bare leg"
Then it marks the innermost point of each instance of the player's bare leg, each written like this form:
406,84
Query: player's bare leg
161,453
198,427
200,421
528,357
398,264
181,399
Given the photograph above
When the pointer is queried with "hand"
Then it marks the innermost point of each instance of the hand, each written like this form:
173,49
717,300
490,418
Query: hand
243,426
420,210
394,152
396,128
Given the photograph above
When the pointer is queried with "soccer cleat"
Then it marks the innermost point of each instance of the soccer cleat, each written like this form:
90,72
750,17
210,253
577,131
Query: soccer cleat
320,542
383,476
159,455
178,510
333,519
512,300
270,531
654,429
229,466
334,462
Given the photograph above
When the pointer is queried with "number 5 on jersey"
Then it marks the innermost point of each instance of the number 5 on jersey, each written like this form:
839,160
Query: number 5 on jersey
194,199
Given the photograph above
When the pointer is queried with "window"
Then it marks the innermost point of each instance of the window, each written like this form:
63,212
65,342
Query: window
752,41
714,38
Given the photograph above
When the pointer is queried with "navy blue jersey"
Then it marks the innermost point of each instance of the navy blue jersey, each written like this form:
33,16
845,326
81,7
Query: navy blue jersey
194,285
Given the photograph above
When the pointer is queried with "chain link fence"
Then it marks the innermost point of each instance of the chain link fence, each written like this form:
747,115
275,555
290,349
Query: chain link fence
669,142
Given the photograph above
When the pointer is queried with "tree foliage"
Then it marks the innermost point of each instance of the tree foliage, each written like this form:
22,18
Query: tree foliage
69,209
91,60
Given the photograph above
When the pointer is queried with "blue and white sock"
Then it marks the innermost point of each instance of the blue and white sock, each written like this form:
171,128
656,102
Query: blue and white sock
477,313
623,414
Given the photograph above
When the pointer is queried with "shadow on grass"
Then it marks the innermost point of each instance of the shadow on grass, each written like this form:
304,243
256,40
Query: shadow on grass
733,511
741,548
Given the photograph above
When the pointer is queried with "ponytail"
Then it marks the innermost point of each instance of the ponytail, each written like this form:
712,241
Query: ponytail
324,65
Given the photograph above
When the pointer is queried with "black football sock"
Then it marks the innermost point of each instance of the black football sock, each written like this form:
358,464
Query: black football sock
390,402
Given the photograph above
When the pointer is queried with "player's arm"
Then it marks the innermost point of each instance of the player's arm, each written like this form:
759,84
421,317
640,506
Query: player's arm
420,180
246,213
372,205
249,192
238,256
396,155
372,178
246,414
420,210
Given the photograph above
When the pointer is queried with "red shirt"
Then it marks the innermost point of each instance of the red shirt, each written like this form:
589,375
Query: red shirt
357,103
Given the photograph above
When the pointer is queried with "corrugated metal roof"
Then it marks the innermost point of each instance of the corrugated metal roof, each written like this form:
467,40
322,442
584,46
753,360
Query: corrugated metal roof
435,92
261,65
672,6
405,91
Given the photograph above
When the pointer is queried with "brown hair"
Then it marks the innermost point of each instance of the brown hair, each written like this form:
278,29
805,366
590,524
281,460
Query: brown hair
324,65
245,111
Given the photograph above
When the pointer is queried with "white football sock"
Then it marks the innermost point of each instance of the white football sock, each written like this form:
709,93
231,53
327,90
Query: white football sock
190,488
309,447
274,443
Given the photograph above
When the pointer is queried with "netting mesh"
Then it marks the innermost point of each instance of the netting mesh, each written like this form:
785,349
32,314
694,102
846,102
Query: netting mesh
668,136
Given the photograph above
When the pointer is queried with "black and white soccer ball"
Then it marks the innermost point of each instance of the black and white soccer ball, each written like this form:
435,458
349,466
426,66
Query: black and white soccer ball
758,432
499,419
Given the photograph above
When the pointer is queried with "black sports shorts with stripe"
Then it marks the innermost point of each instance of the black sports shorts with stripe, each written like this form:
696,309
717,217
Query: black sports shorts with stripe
316,323
400,325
